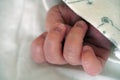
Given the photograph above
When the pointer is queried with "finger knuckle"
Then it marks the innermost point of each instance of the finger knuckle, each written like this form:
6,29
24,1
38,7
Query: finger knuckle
51,60
71,60
72,56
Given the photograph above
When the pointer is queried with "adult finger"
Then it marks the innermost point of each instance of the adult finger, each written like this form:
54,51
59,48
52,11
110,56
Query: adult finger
37,49
74,43
53,45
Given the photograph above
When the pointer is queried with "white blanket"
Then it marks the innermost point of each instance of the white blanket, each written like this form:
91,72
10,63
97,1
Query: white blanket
21,21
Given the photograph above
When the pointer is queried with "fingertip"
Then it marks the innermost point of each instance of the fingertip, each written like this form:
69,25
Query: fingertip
60,27
37,49
81,24
90,63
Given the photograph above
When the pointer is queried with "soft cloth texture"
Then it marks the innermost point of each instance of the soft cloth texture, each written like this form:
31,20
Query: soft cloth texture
21,21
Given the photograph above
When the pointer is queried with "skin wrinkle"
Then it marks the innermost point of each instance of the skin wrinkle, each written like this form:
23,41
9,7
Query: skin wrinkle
72,53
59,28
53,52
76,37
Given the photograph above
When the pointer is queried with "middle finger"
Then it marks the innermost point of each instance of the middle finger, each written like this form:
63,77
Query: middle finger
73,43
53,45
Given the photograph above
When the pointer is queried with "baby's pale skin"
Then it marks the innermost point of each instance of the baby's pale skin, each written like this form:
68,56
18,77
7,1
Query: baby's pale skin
71,40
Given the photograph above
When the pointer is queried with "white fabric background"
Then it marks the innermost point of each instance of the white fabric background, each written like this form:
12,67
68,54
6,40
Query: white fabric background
21,21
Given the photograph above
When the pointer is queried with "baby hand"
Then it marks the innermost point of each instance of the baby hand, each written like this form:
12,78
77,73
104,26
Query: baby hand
70,40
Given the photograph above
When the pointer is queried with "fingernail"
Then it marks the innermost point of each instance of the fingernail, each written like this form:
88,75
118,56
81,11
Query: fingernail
60,28
81,24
